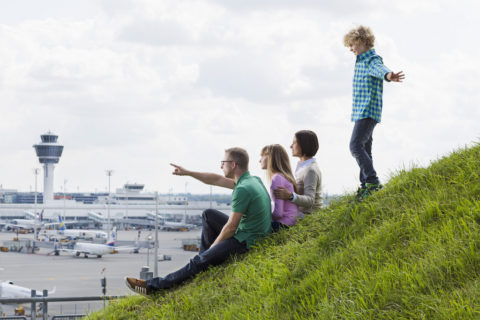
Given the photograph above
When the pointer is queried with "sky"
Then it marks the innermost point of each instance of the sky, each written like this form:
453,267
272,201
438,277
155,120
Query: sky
133,85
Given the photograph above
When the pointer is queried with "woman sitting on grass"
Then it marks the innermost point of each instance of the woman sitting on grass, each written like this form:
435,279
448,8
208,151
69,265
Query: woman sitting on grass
308,176
274,159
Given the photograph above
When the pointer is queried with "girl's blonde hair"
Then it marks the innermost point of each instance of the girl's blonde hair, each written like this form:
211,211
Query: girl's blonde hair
360,34
278,163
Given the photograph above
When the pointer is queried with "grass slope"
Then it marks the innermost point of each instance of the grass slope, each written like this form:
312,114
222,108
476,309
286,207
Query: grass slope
410,251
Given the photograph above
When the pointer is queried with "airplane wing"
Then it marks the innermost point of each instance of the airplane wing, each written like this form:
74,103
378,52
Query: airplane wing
17,226
76,252
126,249
50,224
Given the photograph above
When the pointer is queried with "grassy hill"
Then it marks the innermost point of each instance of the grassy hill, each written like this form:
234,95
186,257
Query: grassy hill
410,251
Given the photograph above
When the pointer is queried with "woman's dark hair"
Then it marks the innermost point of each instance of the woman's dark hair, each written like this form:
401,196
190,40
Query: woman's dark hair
308,142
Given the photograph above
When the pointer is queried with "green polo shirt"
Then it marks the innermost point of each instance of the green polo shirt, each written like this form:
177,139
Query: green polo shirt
251,198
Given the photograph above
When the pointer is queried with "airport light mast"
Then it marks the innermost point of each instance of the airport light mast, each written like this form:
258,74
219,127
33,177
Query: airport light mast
48,153
64,205
155,261
36,171
109,173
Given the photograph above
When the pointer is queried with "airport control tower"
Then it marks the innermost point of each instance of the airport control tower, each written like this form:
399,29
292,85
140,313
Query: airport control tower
48,153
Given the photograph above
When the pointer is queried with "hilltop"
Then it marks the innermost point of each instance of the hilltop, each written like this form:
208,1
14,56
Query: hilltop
410,251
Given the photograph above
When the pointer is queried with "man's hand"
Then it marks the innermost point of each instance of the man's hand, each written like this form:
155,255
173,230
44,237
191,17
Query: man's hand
179,171
396,77
282,193
205,177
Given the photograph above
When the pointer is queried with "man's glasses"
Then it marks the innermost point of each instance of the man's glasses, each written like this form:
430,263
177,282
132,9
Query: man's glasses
223,161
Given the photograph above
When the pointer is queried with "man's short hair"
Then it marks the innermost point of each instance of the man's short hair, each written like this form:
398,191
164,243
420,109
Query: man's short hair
240,156
308,142
360,34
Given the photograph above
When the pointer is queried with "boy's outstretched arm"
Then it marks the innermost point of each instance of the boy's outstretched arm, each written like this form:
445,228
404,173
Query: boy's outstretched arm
396,77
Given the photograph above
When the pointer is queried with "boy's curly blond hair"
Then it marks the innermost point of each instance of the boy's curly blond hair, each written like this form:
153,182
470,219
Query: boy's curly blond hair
360,34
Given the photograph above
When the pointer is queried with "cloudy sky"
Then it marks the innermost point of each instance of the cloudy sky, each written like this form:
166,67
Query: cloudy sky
132,85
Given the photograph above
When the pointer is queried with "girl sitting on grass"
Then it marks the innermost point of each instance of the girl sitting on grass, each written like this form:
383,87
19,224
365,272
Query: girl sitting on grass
274,159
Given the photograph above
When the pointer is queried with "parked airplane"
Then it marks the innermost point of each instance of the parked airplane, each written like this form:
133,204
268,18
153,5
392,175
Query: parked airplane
20,224
25,224
10,290
176,226
96,249
65,233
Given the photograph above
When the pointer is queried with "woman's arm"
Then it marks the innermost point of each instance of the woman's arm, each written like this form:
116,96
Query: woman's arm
310,182
278,211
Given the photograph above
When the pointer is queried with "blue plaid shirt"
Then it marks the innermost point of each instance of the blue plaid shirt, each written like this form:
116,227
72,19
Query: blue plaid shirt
368,86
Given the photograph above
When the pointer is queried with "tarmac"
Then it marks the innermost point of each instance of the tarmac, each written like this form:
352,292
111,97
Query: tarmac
78,276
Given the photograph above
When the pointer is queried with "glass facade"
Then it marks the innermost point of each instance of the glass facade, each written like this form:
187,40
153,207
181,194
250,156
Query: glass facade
48,154
29,197
138,187
49,138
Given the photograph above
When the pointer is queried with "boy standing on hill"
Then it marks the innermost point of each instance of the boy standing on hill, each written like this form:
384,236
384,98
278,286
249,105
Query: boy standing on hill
367,103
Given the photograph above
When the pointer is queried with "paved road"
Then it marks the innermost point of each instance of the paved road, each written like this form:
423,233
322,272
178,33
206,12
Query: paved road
77,276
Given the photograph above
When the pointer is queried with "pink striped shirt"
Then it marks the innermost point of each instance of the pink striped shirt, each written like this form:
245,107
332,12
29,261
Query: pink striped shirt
283,211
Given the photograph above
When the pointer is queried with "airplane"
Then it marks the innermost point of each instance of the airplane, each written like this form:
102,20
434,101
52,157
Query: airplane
20,224
63,232
97,249
24,224
9,290
175,226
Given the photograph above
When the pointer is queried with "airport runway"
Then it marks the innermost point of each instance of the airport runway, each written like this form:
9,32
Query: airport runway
78,276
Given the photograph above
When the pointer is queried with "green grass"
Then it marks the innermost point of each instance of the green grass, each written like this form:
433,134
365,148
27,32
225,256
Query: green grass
410,251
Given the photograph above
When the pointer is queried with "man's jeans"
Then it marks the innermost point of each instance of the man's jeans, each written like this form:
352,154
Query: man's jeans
213,222
361,149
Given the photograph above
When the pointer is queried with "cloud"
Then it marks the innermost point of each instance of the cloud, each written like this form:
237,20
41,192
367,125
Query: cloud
343,6
242,75
156,33
134,85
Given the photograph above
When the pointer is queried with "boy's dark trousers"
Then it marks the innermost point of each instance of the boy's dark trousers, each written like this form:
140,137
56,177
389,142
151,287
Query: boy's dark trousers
361,149
213,222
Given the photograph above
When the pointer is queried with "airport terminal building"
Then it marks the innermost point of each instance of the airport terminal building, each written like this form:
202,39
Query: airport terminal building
128,206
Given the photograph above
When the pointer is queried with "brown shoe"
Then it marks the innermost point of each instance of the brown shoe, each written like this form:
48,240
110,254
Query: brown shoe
137,286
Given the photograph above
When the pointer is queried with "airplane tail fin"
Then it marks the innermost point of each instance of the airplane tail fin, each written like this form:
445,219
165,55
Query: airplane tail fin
62,225
52,291
112,237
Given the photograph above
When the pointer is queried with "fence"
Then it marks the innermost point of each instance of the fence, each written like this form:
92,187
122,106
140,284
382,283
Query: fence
45,300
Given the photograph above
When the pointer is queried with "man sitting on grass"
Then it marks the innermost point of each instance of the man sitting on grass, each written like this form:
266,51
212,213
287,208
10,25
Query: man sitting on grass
222,235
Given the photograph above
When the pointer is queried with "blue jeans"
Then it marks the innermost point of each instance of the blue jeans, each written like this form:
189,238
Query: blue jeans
276,226
361,149
213,222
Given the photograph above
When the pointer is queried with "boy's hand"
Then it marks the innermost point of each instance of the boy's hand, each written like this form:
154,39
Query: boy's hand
396,77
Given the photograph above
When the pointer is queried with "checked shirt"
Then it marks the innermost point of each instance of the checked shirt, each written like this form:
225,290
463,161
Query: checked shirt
368,86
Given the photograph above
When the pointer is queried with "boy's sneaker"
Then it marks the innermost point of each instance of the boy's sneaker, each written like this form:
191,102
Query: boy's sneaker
368,190
360,191
137,286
